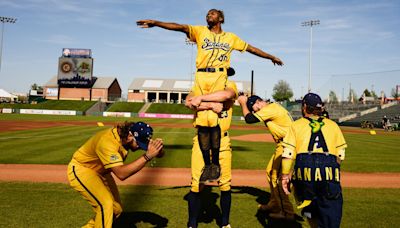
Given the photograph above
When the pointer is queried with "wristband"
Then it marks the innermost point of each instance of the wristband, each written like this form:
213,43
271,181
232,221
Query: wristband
146,157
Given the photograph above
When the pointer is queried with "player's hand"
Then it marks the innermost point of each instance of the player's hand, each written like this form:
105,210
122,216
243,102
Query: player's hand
145,23
154,148
286,183
242,99
189,104
277,61
196,101
217,107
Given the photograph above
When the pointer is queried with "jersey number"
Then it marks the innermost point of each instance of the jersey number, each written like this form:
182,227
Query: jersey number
317,140
223,58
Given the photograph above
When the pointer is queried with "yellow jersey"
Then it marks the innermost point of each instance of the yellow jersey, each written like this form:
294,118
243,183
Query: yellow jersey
276,118
214,50
226,115
102,151
315,136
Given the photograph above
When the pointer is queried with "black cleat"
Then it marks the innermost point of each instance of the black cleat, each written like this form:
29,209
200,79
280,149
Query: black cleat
215,172
205,175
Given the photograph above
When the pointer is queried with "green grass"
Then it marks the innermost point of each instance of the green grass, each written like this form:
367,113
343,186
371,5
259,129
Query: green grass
169,108
125,107
366,153
57,205
53,105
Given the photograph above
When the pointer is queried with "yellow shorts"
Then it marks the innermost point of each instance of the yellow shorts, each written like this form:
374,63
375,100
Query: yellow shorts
225,160
206,83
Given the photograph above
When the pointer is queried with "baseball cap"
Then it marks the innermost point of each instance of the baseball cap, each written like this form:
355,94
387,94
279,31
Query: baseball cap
251,101
142,133
313,100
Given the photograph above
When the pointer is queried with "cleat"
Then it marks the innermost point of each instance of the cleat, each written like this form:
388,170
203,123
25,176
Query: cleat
205,175
282,215
270,208
215,173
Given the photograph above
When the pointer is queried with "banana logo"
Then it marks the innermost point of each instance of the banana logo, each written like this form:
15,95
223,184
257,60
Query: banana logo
316,126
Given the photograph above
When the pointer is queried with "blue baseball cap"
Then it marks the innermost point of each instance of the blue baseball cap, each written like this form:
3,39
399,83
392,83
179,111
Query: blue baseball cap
142,133
313,100
251,101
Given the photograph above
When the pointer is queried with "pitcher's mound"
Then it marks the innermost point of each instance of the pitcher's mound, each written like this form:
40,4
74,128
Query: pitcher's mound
254,138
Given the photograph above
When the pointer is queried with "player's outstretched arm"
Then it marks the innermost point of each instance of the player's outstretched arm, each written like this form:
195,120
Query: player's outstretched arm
262,54
165,25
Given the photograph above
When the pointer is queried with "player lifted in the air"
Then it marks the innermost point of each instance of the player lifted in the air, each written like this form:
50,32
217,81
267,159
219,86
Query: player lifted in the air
214,48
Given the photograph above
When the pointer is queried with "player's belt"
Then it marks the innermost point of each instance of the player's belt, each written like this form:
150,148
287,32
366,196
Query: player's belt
210,69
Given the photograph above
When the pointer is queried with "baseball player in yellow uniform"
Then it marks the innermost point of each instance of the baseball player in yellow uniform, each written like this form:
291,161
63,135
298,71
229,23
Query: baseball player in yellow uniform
214,47
278,121
213,102
317,146
89,171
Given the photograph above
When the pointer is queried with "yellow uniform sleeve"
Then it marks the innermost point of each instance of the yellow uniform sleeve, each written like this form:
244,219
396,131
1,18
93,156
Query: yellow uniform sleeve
108,153
232,85
194,32
289,144
239,44
341,144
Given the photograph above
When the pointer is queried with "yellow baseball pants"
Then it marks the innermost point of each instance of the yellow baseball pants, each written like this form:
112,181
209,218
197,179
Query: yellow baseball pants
99,190
278,198
225,161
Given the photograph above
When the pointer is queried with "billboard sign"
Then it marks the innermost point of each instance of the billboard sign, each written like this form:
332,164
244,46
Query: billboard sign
76,53
75,72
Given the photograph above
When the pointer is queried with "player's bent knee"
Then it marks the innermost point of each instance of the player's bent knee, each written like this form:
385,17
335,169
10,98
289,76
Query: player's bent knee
117,210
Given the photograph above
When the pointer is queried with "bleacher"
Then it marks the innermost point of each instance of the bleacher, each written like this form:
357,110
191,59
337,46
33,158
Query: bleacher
392,113
337,110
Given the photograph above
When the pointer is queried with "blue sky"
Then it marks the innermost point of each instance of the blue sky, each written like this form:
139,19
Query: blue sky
357,43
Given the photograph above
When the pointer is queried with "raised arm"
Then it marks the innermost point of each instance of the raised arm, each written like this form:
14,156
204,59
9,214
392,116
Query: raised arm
262,54
165,25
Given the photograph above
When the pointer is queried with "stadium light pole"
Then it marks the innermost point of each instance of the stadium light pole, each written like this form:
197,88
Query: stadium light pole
310,23
4,20
191,43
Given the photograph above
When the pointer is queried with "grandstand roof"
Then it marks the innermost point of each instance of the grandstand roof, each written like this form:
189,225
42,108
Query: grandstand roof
159,84
5,94
52,82
101,82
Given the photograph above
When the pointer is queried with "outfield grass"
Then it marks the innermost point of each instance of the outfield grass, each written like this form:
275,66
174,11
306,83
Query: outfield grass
366,153
125,107
57,205
53,105
169,108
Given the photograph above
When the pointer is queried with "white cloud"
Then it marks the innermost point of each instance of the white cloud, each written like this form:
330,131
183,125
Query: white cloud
59,39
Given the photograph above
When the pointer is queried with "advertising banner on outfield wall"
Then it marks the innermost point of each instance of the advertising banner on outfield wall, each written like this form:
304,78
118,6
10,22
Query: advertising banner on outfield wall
48,112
